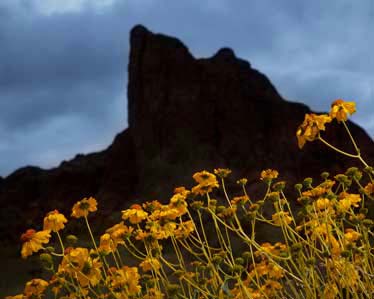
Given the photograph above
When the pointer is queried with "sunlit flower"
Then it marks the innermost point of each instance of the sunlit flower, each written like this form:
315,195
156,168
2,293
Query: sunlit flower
275,271
79,264
205,188
242,181
119,232
270,288
310,128
206,182
322,204
281,218
141,234
204,177
159,231
347,200
83,207
340,109
135,214
351,235
369,188
275,249
184,229
315,192
33,241
240,200
153,293
35,288
268,174
178,204
150,264
222,172
54,221
330,291
19,296
127,279
342,272
106,244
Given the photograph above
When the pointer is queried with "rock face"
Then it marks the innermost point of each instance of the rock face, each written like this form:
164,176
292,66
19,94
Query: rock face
185,114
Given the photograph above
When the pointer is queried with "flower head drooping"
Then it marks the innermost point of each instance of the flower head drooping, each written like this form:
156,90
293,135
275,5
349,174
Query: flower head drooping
83,207
268,175
281,218
127,279
340,109
35,288
149,264
222,172
119,232
206,182
54,221
80,264
33,241
135,214
310,128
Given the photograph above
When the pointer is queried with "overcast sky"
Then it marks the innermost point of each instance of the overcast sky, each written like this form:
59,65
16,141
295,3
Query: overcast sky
63,63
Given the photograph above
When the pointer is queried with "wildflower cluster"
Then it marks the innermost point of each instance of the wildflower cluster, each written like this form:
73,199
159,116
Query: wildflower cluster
167,250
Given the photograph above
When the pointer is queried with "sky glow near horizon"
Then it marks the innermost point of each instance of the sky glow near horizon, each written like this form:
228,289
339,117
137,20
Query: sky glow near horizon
63,64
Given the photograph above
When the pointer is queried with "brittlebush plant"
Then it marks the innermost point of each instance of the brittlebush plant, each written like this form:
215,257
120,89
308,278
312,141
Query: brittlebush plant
325,249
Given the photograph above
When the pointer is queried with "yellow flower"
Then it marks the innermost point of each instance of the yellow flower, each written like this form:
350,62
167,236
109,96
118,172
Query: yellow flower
322,204
347,200
141,234
270,288
153,294
206,182
182,191
275,249
240,200
135,214
351,235
281,218
242,181
369,188
106,244
33,241
276,272
330,291
184,229
35,287
310,128
342,272
54,221
119,232
150,264
127,279
205,188
222,172
83,207
78,263
340,109
19,296
161,231
268,175
203,177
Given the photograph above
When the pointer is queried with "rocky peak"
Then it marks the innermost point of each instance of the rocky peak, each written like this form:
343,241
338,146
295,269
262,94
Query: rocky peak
185,114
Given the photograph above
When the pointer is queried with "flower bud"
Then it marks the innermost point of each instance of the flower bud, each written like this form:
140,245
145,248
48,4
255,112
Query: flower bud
71,240
46,261
325,175
307,183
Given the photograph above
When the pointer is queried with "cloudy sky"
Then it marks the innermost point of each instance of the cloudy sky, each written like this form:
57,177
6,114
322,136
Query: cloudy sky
63,62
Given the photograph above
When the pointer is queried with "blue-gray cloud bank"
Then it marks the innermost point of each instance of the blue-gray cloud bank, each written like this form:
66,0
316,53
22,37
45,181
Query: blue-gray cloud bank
63,63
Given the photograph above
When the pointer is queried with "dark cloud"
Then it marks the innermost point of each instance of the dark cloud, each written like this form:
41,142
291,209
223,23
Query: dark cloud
63,72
